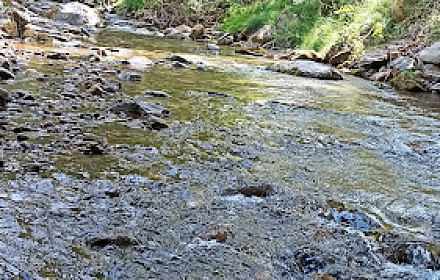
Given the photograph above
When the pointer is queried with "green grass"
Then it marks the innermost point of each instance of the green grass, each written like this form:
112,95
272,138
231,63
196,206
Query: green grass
134,5
267,12
314,24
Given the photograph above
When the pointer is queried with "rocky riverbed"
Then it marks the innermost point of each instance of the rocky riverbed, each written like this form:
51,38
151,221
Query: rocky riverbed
143,157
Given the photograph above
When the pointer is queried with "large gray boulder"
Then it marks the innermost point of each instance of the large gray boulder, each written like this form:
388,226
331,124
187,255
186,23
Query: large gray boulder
307,68
431,54
75,13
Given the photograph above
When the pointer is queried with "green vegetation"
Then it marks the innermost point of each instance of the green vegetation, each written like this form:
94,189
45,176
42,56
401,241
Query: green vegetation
319,24
315,24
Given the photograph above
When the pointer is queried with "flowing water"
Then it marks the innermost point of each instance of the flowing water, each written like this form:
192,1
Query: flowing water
377,149
374,150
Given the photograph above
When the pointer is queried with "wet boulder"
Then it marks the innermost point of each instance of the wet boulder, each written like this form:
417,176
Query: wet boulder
91,145
122,241
431,54
308,69
139,110
300,260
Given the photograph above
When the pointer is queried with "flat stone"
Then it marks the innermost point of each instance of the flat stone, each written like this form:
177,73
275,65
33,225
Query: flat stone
307,68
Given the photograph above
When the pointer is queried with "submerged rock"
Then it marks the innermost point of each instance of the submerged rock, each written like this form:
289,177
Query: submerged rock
119,241
300,260
251,190
153,93
180,58
90,145
150,112
357,220
306,68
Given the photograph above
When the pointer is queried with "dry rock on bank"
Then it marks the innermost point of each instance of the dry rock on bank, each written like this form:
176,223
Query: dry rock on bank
77,14
308,69
47,21
408,67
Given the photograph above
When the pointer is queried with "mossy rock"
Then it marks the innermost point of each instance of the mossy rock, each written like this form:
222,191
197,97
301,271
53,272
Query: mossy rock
409,81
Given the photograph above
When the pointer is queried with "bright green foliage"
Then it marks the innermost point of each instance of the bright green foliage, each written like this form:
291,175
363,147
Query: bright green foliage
134,5
267,12
358,25
317,24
